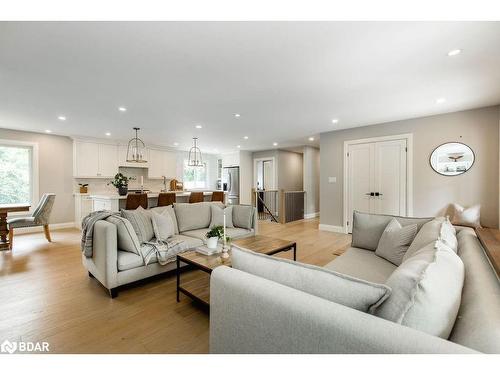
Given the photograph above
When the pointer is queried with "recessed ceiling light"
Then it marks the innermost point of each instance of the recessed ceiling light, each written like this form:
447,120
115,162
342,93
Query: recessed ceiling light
454,52
62,118
245,137
176,143
334,121
238,146
122,109
48,131
237,115
215,150
440,100
198,126
311,139
275,143
108,134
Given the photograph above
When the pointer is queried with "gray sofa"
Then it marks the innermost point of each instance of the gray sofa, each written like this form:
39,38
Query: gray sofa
114,267
254,314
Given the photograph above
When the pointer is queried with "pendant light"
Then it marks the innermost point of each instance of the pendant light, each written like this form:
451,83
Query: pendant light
136,149
194,157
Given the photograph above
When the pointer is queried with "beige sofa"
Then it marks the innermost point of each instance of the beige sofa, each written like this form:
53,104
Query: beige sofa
113,267
254,312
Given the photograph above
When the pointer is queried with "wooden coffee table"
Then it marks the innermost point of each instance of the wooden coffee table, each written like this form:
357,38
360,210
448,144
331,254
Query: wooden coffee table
199,289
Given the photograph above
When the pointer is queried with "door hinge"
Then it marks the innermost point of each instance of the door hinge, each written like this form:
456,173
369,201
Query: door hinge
347,223
347,154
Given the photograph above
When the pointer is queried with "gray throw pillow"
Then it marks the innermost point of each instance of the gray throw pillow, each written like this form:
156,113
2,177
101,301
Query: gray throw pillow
126,236
218,216
320,282
170,211
395,240
429,233
448,235
426,291
243,216
192,216
163,226
141,222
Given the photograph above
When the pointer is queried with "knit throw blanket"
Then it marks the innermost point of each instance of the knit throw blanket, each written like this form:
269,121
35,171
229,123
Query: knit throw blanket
88,223
164,251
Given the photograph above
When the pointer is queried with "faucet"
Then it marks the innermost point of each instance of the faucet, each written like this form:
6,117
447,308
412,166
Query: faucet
164,184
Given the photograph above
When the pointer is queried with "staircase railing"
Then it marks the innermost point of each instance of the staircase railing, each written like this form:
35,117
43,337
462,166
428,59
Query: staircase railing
266,202
291,206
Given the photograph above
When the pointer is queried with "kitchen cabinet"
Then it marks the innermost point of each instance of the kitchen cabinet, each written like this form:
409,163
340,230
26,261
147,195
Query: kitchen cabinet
231,159
162,163
122,158
94,160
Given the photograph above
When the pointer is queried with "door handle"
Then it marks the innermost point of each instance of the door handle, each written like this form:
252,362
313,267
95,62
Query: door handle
370,194
377,194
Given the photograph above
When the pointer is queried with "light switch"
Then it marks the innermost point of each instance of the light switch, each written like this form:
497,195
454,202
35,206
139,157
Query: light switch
332,180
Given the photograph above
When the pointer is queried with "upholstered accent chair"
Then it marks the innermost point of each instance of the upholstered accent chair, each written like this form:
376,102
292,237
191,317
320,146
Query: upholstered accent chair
166,199
196,197
135,200
218,196
40,217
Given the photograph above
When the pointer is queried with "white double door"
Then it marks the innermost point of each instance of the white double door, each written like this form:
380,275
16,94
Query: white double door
377,178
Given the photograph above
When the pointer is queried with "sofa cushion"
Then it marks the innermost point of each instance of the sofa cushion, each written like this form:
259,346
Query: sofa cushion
163,225
234,233
362,264
395,240
128,260
478,322
429,233
448,235
243,216
193,215
426,291
189,242
141,222
218,216
336,287
170,211
126,236
368,228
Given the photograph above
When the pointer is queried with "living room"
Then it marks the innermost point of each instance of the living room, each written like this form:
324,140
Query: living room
250,187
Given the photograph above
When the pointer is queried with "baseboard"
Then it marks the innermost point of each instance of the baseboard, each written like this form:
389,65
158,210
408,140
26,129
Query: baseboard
311,216
40,228
331,228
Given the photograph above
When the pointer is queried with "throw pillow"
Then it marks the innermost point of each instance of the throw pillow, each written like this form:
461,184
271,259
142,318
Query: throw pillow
163,226
467,217
320,282
218,216
426,291
125,234
429,233
192,216
395,241
141,222
243,216
163,210
448,235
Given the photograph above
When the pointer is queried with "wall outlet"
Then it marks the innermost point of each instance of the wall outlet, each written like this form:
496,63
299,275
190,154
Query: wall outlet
332,180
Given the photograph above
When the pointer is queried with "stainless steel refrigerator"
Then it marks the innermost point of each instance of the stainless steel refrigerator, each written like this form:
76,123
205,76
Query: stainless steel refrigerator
231,180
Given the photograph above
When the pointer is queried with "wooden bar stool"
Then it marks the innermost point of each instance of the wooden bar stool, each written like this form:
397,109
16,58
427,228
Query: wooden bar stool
166,199
218,196
135,200
196,197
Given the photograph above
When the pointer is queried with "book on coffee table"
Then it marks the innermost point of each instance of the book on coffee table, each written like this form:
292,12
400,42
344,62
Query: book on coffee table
206,251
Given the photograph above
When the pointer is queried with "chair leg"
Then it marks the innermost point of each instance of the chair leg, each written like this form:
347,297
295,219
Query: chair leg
47,233
11,237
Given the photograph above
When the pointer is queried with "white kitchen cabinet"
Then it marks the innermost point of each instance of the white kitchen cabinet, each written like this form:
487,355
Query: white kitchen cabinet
94,160
162,163
122,158
108,160
231,160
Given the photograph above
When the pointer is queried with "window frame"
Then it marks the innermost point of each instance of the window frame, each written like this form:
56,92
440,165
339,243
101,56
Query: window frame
34,175
184,165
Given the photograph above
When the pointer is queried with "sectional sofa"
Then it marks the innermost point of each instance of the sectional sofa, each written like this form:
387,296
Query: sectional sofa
115,262
444,297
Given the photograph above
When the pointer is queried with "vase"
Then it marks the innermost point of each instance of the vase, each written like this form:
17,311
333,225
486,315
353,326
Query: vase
123,190
212,242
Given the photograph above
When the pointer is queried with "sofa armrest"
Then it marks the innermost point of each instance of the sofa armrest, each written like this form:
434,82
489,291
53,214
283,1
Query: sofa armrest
104,262
249,314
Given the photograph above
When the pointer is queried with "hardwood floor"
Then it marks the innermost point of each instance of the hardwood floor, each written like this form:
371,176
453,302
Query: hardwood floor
46,295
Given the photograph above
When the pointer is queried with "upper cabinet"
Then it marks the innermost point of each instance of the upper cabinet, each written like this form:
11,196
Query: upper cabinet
94,160
162,164
122,158
231,160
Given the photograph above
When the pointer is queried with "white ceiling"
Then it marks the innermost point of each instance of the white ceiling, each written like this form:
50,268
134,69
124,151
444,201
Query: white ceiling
288,80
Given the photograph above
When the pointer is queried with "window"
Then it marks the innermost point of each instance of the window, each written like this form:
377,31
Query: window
17,173
194,177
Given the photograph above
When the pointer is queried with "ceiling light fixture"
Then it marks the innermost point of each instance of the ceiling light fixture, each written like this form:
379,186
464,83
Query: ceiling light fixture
108,134
334,121
122,109
454,52
311,139
136,149
237,115
245,137
275,143
48,131
62,118
194,156
198,126
440,100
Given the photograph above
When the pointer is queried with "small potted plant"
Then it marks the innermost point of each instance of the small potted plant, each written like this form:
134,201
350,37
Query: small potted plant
214,235
121,183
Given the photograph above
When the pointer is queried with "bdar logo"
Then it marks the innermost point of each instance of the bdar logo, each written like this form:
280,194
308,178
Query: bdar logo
8,347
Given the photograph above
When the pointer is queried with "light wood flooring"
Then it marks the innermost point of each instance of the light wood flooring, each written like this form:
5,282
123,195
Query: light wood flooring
46,295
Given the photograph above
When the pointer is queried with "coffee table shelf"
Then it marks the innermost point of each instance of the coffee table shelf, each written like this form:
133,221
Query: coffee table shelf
198,289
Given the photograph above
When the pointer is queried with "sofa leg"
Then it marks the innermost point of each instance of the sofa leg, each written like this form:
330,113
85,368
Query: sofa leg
47,233
91,276
113,292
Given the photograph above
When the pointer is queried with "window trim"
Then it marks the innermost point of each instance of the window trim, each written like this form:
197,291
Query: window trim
34,172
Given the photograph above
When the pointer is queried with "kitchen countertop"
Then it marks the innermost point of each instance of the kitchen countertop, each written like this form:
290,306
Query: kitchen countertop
150,194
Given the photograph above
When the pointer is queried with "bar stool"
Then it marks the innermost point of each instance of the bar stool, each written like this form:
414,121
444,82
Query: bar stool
135,200
166,199
196,197
218,196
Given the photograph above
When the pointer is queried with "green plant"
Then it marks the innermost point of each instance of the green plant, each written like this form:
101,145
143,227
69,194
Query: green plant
217,231
120,180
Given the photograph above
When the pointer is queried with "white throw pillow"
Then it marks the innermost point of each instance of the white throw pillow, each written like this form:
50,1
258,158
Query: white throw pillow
448,235
395,241
141,222
467,217
218,216
163,226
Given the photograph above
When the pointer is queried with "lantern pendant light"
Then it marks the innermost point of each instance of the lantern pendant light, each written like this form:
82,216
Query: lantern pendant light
194,157
136,149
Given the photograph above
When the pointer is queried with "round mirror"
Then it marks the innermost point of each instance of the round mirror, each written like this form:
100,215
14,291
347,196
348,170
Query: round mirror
451,159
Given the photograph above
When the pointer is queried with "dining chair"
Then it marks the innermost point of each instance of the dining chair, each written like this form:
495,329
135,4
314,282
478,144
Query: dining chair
196,197
218,196
135,200
166,199
40,217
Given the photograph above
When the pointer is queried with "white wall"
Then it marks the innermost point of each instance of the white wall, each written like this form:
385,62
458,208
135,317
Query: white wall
311,181
246,177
